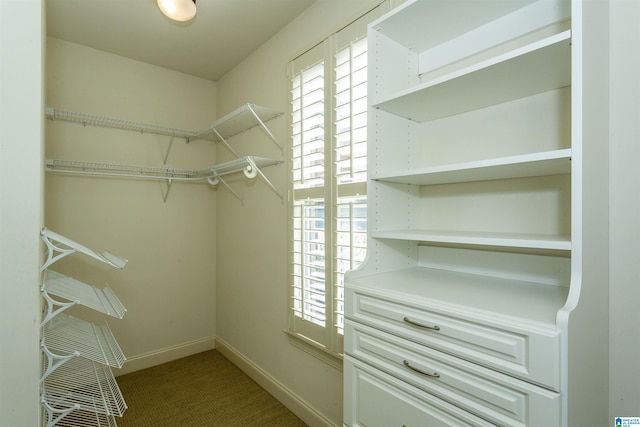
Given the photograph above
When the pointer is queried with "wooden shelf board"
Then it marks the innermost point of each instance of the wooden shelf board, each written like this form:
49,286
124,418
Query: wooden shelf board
537,164
523,72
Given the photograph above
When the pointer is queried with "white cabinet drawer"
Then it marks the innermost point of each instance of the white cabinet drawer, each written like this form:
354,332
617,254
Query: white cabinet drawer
525,351
375,399
499,398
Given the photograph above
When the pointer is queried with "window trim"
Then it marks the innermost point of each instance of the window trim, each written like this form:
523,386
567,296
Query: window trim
330,350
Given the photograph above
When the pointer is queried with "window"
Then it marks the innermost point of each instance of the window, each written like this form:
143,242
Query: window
328,173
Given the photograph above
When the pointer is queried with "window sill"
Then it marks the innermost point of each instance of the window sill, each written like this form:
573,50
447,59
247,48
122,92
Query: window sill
314,349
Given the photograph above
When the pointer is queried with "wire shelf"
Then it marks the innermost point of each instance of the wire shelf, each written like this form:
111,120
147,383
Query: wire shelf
240,120
102,300
67,335
85,385
109,169
64,246
75,418
86,119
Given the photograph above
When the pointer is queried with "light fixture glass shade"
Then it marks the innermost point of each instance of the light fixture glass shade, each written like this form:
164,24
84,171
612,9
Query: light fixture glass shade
178,10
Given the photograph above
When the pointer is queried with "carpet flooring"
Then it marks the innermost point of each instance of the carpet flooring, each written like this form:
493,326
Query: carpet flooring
201,390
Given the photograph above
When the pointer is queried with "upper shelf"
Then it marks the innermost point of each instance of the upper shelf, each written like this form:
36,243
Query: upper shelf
528,165
243,118
422,25
240,120
535,68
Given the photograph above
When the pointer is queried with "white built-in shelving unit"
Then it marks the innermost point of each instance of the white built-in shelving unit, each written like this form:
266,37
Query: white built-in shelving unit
244,118
458,316
77,385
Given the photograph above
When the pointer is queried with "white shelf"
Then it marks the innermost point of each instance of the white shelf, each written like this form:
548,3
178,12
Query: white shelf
145,172
538,67
74,418
471,295
101,300
529,165
67,335
87,119
64,246
512,240
237,121
422,25
84,385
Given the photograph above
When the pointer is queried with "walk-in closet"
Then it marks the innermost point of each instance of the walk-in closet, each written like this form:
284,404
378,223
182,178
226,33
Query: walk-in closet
319,212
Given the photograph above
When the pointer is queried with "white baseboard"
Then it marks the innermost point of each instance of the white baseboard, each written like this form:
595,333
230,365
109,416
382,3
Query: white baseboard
292,401
164,355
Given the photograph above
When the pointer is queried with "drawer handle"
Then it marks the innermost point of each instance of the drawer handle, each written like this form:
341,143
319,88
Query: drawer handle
420,325
420,371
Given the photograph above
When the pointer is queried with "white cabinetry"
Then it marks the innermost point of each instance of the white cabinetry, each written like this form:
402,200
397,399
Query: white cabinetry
474,181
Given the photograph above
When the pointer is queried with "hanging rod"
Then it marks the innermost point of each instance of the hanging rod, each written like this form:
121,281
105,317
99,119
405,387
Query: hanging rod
246,164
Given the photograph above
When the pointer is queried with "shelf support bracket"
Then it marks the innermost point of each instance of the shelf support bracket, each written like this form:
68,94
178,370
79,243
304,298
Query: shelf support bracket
166,155
55,415
255,169
51,311
216,179
224,141
54,361
165,194
266,129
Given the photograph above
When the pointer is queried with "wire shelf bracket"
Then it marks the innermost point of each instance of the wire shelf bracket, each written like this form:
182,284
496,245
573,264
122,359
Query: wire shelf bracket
67,335
63,246
75,292
82,384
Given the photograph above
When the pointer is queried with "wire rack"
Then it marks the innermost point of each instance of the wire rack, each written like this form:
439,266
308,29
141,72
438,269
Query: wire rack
86,119
63,246
82,384
68,335
102,300
74,417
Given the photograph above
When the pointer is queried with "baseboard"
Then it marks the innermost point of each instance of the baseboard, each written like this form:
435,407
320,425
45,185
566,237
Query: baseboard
292,401
164,355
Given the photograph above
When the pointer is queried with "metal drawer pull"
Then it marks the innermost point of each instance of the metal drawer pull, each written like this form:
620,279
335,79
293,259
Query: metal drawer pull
419,325
420,371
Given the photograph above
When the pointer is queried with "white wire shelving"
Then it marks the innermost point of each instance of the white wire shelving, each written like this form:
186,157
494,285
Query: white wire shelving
82,384
63,246
75,292
244,118
251,166
77,385
68,335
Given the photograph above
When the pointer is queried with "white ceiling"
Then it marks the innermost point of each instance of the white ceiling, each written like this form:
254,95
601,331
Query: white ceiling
222,34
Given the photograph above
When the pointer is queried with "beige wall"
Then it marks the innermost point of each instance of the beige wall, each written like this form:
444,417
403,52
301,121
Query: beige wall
168,286
252,239
21,86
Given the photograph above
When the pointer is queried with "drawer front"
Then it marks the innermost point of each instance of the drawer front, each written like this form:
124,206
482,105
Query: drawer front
532,354
499,398
375,399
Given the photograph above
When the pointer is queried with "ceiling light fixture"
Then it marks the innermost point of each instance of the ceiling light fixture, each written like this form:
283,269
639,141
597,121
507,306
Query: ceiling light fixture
178,10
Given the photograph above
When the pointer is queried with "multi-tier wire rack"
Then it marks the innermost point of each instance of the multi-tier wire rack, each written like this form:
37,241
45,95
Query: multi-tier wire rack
77,385
244,118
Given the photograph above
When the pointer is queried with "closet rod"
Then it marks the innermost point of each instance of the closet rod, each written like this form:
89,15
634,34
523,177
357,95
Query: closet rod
247,164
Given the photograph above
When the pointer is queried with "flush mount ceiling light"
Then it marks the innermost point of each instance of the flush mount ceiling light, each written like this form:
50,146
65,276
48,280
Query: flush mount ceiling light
178,10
